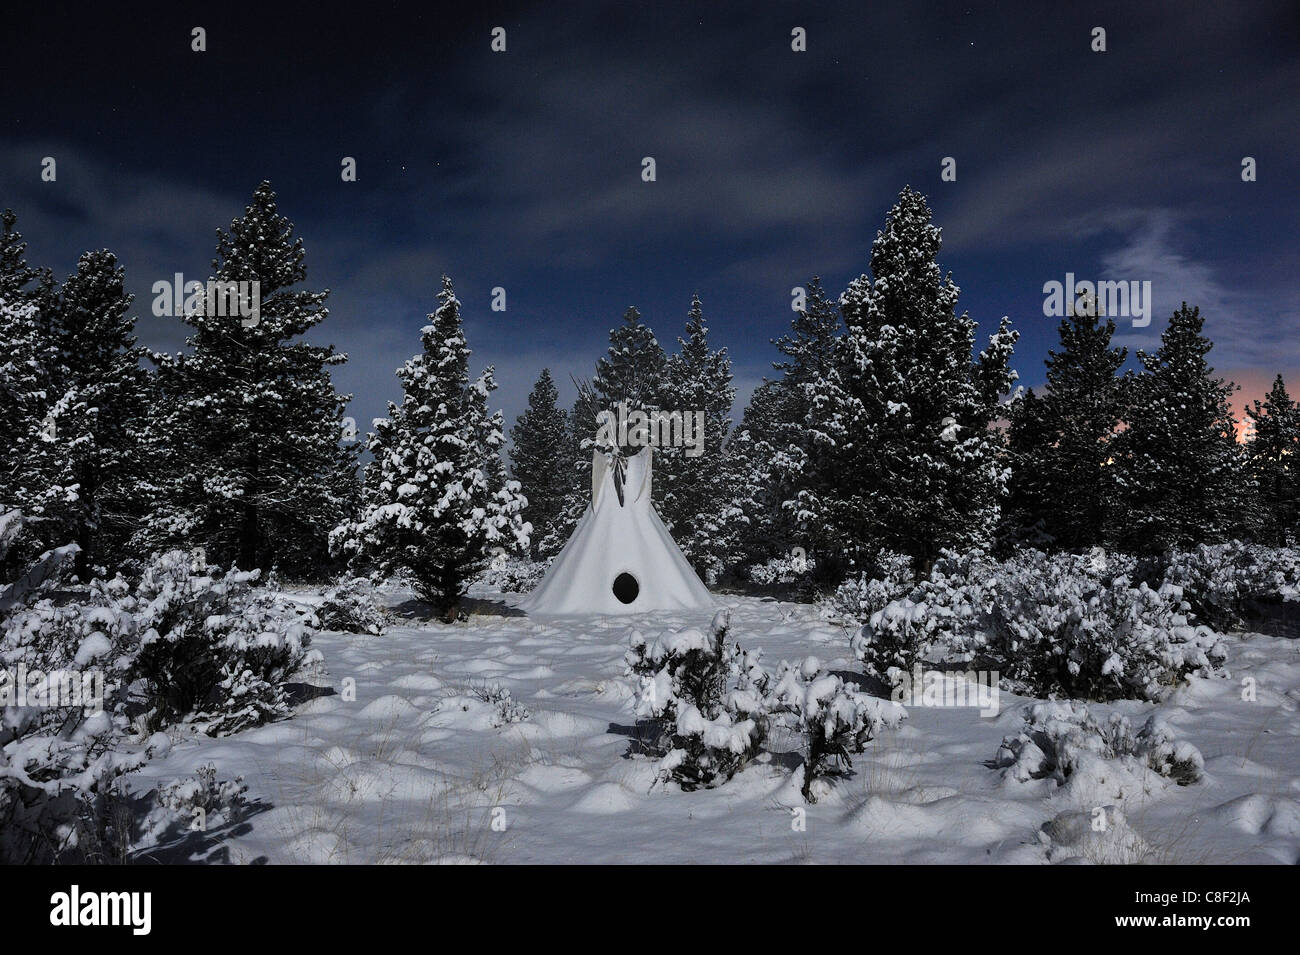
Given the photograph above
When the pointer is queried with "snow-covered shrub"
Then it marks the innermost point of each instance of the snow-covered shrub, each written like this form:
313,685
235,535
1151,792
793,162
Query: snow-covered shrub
63,750
203,792
507,708
707,752
859,598
1100,835
1053,627
1059,740
784,570
198,803
705,701
1050,625
350,607
835,720
895,638
514,575
942,609
1221,582
214,649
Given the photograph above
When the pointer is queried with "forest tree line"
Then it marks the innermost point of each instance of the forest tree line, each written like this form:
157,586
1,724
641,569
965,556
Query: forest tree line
886,429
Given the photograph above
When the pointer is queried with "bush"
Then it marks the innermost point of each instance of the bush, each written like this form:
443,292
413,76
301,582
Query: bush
62,754
782,571
1061,739
1052,626
835,720
350,607
1222,582
941,609
704,702
213,649
507,708
890,578
895,638
1059,625
203,793
514,575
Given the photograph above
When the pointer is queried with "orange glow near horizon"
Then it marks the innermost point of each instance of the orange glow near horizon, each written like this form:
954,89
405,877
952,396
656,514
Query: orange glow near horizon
1254,384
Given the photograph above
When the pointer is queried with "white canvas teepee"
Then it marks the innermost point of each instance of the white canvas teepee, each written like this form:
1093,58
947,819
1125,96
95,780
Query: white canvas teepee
621,558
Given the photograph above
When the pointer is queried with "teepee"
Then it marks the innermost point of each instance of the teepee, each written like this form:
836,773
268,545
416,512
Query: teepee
621,558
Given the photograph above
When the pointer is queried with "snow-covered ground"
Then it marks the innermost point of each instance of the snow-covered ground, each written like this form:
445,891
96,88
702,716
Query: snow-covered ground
414,770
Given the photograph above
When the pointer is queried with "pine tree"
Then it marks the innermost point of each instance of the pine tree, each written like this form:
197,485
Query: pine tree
905,458
249,421
1023,523
695,491
541,461
633,370
23,400
94,441
16,276
1060,490
436,502
30,385
762,525
575,471
1272,463
1176,462
776,442
27,350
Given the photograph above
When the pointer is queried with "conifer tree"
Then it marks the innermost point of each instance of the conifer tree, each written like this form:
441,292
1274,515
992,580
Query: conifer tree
761,523
777,442
1177,466
30,386
1273,464
436,502
249,422
23,401
541,461
16,276
578,442
1061,489
694,487
633,370
95,439
905,458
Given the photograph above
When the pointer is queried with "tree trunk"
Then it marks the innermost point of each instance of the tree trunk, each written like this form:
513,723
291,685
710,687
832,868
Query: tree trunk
249,531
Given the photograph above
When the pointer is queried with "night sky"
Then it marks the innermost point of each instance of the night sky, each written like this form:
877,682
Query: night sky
523,169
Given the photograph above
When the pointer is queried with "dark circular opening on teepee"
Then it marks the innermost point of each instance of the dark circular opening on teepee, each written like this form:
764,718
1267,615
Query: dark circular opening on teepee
626,588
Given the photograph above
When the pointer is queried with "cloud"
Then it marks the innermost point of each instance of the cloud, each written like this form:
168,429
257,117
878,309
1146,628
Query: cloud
1249,325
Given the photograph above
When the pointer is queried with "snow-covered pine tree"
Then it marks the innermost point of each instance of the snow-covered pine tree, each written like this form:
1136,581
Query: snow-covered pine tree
16,276
695,493
29,386
22,393
774,448
1271,458
436,501
761,521
576,471
1060,487
1028,428
541,461
249,420
95,442
22,403
1177,466
633,370
905,457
